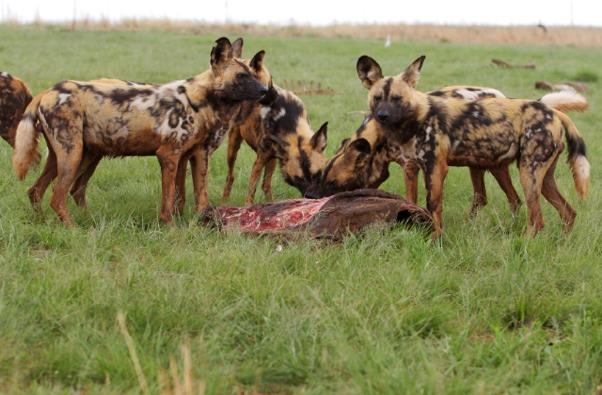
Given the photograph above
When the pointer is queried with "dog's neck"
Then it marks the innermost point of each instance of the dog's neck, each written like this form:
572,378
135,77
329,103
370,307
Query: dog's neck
207,101
413,119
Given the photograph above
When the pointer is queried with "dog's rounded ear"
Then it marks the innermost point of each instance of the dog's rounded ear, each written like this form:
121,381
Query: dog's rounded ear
360,146
412,72
237,47
257,61
270,97
320,138
368,71
221,52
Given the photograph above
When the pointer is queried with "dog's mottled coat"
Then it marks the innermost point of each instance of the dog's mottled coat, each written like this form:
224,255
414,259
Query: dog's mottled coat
14,98
486,133
83,121
278,129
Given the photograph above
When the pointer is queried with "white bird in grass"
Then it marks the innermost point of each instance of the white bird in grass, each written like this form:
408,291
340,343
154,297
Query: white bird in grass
388,41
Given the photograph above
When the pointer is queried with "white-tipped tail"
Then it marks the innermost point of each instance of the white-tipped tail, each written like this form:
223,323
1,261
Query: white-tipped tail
26,138
577,161
566,100
26,146
580,169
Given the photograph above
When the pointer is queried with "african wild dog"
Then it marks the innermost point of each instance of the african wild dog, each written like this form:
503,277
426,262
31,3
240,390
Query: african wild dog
14,98
437,132
244,113
345,171
83,121
278,129
562,101
91,160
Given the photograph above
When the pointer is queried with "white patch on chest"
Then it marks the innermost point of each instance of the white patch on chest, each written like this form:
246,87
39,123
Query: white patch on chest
421,154
428,131
264,112
280,114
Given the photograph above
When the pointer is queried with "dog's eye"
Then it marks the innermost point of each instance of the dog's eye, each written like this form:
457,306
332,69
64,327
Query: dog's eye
378,97
395,97
244,75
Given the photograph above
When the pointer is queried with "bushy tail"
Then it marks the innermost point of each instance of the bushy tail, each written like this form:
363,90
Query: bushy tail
565,101
577,160
26,138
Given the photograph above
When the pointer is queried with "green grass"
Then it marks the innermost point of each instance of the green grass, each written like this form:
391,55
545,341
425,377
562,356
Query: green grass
383,312
586,76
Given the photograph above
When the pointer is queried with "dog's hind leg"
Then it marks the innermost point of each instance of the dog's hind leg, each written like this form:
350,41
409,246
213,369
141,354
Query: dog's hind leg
531,179
479,198
86,169
268,173
169,161
68,159
552,195
502,176
37,190
234,142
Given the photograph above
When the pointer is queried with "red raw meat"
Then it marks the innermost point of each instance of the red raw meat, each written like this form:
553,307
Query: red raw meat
329,217
271,217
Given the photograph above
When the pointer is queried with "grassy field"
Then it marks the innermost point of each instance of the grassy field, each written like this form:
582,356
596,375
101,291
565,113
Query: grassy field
385,312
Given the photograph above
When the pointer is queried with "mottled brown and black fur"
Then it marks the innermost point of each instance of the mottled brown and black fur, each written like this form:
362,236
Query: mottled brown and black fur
83,121
14,98
91,160
244,111
361,161
353,168
381,147
278,129
485,134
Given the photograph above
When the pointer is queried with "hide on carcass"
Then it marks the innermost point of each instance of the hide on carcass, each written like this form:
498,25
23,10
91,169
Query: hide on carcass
330,217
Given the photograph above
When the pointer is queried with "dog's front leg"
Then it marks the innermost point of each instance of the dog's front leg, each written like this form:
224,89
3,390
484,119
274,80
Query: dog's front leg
410,176
254,179
434,177
181,181
234,141
267,179
200,168
169,159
